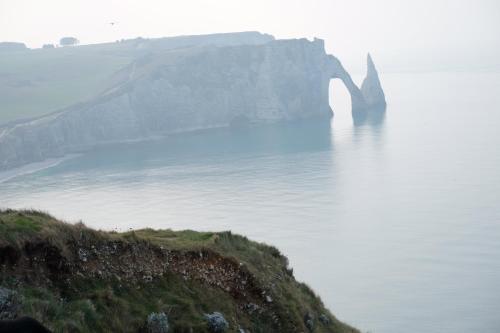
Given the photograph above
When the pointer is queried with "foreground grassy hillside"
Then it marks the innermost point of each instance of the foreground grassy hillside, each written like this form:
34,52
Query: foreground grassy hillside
75,279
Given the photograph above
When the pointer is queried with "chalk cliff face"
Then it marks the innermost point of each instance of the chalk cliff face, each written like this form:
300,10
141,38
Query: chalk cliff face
191,88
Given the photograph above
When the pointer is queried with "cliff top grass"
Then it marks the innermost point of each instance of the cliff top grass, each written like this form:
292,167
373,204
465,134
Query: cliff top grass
57,78
53,79
250,283
17,227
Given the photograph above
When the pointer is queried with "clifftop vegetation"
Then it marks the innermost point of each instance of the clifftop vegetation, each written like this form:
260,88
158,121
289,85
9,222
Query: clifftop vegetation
75,279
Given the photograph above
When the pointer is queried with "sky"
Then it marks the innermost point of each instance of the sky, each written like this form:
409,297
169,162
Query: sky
401,35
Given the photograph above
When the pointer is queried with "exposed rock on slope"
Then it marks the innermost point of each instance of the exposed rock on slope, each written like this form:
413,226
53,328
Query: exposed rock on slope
72,278
199,87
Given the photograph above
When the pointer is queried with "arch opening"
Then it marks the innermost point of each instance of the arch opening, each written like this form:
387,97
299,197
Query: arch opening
340,102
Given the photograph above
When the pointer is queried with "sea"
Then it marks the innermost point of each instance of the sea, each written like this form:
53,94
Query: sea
393,220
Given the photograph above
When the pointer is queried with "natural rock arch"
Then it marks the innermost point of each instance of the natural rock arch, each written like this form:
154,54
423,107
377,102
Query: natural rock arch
369,96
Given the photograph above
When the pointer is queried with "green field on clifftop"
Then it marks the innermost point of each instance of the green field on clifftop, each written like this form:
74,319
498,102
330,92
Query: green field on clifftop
37,82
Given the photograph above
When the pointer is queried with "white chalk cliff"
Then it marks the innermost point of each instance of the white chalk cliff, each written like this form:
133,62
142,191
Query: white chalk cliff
194,87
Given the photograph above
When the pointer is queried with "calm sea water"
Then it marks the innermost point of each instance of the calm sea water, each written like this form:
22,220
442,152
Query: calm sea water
395,223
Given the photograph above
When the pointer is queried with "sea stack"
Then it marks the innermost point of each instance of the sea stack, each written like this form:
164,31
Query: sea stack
371,88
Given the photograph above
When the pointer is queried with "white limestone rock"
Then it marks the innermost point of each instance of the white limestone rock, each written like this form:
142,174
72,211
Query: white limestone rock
190,88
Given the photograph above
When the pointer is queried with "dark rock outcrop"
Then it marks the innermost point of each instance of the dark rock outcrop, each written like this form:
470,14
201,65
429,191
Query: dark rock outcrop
9,304
22,325
157,323
324,319
309,321
216,322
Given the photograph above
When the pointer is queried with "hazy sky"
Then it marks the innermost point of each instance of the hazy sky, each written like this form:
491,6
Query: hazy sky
400,34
